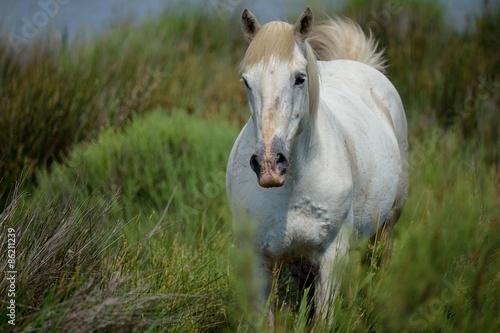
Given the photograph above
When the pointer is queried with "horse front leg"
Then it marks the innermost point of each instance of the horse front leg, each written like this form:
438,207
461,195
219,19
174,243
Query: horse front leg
263,312
328,280
255,286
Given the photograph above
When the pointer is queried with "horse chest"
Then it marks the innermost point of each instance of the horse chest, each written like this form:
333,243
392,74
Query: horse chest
304,229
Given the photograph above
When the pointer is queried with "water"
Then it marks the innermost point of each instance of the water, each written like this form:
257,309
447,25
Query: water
24,19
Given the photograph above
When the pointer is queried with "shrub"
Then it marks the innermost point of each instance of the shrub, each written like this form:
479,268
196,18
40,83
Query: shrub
53,99
129,233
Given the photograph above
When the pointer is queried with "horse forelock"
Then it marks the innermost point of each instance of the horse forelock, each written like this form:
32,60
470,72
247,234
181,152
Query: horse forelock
274,40
277,41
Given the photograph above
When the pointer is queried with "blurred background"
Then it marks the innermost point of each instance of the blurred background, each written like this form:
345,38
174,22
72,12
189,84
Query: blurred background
442,56
88,18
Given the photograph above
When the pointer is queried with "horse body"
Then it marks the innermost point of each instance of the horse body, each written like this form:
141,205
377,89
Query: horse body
346,172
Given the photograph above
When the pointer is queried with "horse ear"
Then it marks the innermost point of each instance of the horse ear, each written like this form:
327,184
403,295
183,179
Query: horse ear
249,24
304,24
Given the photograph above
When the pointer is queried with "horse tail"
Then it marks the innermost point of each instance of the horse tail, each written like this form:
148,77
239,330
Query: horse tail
341,38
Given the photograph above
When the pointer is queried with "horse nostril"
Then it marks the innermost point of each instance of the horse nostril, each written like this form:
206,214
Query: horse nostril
254,164
282,163
281,159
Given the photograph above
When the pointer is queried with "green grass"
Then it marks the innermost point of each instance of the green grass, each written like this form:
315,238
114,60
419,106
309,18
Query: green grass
131,232
122,222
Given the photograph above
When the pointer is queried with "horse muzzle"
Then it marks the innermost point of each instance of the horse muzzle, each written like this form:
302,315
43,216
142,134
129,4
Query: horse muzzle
271,164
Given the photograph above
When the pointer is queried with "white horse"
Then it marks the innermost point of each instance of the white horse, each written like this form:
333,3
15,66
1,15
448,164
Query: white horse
324,153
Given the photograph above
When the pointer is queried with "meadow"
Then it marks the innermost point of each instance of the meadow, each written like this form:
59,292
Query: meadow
112,166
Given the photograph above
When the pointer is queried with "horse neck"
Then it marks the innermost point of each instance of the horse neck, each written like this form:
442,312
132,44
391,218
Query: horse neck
306,146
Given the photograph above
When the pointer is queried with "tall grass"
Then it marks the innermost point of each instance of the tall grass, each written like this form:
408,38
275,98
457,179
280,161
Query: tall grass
122,223
130,233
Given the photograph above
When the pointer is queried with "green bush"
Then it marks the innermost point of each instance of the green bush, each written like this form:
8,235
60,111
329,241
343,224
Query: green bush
53,99
130,232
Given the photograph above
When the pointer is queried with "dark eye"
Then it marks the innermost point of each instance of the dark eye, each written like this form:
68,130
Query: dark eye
300,79
246,83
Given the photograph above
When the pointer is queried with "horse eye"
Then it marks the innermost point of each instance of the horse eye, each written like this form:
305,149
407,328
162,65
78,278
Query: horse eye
300,79
246,83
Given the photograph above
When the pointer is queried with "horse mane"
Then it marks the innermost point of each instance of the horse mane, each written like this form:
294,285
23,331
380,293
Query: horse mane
333,39
341,38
